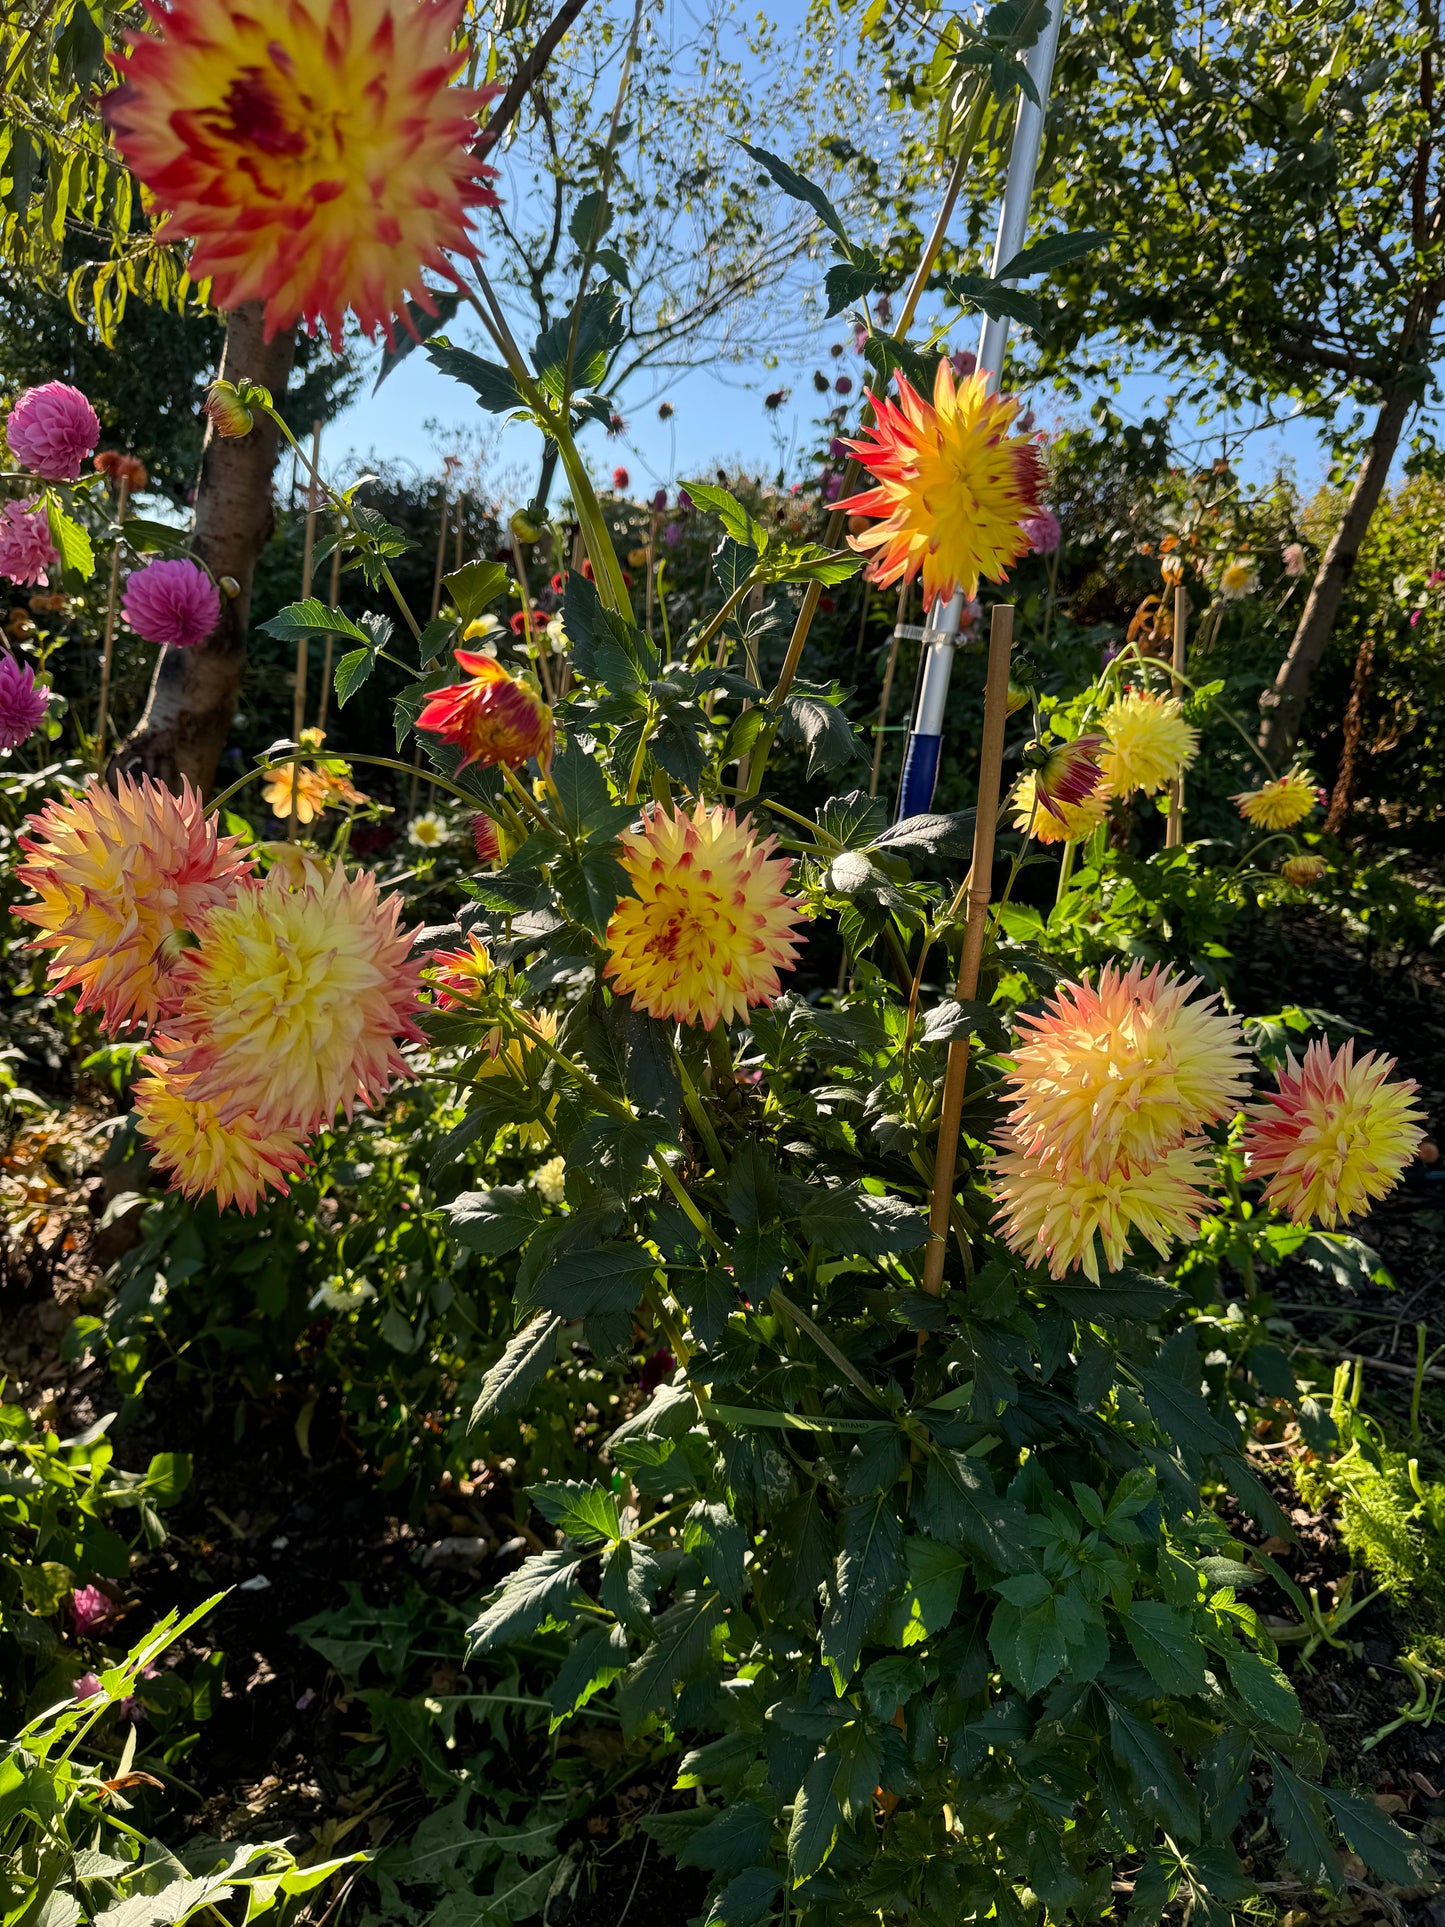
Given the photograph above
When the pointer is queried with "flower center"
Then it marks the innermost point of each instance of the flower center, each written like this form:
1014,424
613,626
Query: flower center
258,119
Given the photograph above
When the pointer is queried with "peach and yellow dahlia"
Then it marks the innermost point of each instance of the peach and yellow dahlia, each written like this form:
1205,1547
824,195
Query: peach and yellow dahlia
1280,804
710,927
1122,1071
953,485
314,151
122,875
1147,742
295,1000
235,1162
493,717
1335,1136
1056,822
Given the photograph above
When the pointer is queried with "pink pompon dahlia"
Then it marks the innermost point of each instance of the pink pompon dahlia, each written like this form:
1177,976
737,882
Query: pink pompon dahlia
27,554
314,151
23,703
493,717
91,1609
121,876
236,1163
52,430
174,603
1043,530
1335,1136
294,1001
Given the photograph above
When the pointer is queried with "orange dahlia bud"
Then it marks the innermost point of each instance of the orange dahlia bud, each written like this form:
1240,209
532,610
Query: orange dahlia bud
316,155
228,414
236,1163
119,875
295,1001
493,718
954,484
1281,804
710,927
1335,1136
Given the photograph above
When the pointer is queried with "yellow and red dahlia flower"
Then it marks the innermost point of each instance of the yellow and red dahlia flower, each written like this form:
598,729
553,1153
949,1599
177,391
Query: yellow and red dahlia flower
1335,1136
121,876
294,1002
236,1162
1056,822
953,485
314,151
1065,773
1060,1215
457,975
1148,743
1281,804
710,926
1122,1071
493,717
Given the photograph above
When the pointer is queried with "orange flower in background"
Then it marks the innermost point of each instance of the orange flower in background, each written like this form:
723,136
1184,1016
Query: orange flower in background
710,927
494,717
295,1001
312,150
459,974
953,486
121,876
237,1163
1335,1136
311,794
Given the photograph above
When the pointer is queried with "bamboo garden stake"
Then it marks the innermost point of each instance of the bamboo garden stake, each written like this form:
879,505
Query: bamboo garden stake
443,529
1174,834
122,497
980,880
308,559
324,705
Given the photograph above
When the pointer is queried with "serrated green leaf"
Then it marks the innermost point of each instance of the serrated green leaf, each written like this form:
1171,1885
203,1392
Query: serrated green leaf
1387,1850
494,1221
1166,1646
587,1513
1263,1688
311,617
522,1366
353,670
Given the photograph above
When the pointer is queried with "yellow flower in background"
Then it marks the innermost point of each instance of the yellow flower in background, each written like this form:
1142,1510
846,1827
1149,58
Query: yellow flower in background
511,1056
1147,742
1335,1136
1056,822
1303,871
551,1180
710,926
122,875
953,485
308,785
1281,804
235,1162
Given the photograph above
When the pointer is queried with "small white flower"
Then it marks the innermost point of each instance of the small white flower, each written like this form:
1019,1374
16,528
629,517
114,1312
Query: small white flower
343,1294
551,1179
557,637
428,831
1238,579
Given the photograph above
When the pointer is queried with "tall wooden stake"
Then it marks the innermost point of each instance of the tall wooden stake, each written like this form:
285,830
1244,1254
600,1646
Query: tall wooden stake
308,561
443,528
980,883
122,497
1174,834
324,706
460,524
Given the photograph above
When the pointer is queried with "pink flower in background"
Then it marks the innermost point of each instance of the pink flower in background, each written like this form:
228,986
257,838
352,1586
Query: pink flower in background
659,501
1294,558
1043,530
1435,578
175,603
1415,615
964,363
22,705
131,1708
672,535
52,430
91,1609
27,553
85,1687
620,479
684,500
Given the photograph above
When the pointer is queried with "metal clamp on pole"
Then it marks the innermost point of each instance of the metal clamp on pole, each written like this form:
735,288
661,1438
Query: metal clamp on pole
925,731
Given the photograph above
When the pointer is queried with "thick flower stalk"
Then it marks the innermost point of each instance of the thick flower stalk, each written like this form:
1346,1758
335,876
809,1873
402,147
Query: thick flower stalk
294,1002
1336,1135
23,702
122,876
954,487
1281,804
1147,743
316,154
174,603
710,926
493,717
52,430
1055,821
235,1163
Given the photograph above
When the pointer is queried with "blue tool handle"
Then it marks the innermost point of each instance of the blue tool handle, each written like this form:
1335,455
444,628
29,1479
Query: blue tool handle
920,775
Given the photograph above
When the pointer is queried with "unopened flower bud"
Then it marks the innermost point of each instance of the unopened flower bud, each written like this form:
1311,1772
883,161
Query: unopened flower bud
228,413
523,527
228,586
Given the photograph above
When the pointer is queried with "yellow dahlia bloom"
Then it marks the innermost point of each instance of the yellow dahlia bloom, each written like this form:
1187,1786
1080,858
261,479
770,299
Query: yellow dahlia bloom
236,1162
1147,742
710,927
1122,1071
1281,804
512,1056
1056,822
1060,1215
1335,1136
121,876
1303,871
953,486
295,1000
313,151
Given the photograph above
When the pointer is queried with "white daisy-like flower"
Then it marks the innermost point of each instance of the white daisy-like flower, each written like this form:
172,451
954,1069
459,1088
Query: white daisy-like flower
343,1294
428,831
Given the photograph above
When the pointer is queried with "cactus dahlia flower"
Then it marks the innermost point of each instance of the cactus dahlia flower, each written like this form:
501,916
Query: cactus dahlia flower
1051,1214
1056,821
1121,1072
954,486
1281,804
493,717
312,150
710,927
1148,743
236,1162
294,1001
121,876
459,974
1335,1136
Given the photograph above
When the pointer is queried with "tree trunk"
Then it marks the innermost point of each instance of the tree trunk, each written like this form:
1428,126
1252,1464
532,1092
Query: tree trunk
193,691
1352,729
1282,707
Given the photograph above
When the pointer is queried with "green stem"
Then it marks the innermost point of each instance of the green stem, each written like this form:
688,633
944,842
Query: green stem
689,1210
825,1344
702,643
699,1116
381,762
1066,869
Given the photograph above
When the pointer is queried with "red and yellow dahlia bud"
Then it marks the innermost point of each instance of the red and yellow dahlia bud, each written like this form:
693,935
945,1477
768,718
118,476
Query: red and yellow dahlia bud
1065,774
494,717
229,415
485,838
122,468
1303,871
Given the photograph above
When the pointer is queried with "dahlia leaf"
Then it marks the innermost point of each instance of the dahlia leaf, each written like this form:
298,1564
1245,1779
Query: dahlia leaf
1264,1688
417,326
605,1278
586,800
584,1512
870,1568
1386,1849
489,381
593,1663
730,1841
1028,1644
684,1636
600,329
311,617
1054,251
1000,303
540,1588
496,1221
799,188
956,1503
849,281
709,1298
1165,1646
152,538
351,672
76,555
521,1366
733,564
746,1899
1182,1415
813,716
952,1020
730,512
856,820
717,1541
852,1221
1299,1817
950,835
886,357
474,586
1154,1772
810,563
